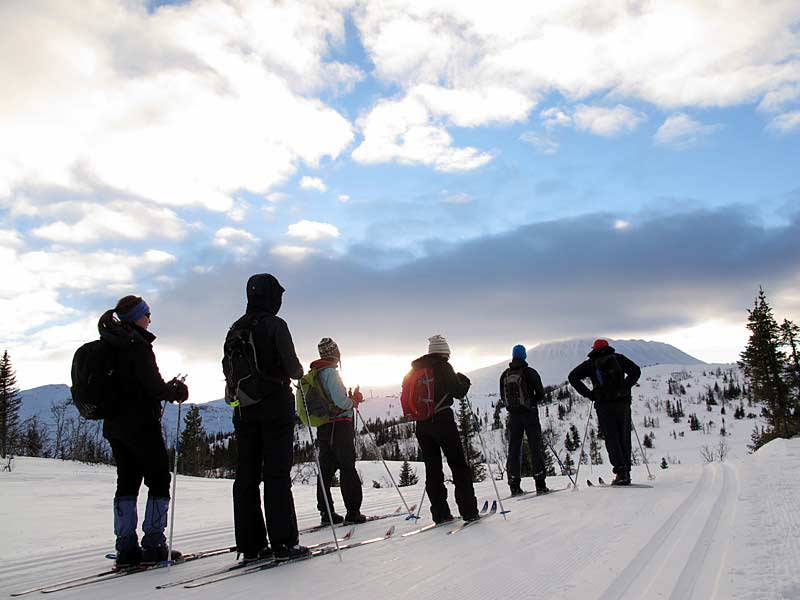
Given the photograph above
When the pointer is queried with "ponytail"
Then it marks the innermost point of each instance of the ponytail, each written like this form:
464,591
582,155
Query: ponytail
107,320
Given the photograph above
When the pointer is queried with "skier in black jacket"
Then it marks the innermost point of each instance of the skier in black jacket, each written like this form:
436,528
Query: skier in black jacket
440,434
265,433
612,375
520,395
133,430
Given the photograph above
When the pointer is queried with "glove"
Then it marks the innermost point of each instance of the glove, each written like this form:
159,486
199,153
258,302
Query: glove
358,397
178,390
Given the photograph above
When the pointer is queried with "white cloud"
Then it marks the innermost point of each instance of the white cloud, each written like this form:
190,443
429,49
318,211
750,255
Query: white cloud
404,131
291,252
775,100
182,106
681,131
84,222
543,142
554,117
277,196
604,121
457,198
238,241
344,198
312,231
10,239
313,183
786,123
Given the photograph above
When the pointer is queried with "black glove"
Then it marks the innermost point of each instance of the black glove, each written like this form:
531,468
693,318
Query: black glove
178,391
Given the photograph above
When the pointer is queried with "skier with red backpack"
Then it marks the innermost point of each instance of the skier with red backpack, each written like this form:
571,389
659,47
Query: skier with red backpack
427,398
521,392
613,376
324,402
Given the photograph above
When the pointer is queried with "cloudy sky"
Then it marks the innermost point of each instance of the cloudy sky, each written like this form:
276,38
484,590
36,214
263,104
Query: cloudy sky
501,173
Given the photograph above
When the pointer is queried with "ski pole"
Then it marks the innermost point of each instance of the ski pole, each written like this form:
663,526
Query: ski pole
586,431
411,515
419,509
174,478
561,464
644,456
320,483
477,425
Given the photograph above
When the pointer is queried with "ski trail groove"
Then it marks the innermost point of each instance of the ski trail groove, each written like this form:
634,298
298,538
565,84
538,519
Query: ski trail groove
696,563
619,586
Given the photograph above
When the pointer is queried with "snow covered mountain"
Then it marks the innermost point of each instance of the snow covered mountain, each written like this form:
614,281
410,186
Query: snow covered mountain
554,360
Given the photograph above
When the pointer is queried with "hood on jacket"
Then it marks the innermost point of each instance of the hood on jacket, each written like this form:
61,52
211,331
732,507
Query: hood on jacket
264,293
323,363
517,363
428,361
600,352
124,334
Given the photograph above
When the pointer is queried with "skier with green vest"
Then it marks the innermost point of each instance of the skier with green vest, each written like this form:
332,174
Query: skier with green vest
330,409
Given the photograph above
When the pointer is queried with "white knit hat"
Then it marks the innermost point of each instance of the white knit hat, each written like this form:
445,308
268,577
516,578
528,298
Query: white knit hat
437,344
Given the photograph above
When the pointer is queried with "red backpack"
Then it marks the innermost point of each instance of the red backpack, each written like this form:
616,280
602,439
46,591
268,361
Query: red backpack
417,396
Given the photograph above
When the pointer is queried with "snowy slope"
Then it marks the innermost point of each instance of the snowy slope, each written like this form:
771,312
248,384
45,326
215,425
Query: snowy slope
725,530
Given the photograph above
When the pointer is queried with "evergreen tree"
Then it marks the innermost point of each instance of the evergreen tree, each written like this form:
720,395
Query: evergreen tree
467,430
595,454
193,459
408,476
790,336
569,465
664,464
764,364
10,403
34,438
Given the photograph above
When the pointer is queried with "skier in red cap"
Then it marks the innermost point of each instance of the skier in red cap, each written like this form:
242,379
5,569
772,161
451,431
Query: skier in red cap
612,376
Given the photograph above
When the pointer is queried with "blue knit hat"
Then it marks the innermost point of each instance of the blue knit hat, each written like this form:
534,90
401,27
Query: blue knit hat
519,352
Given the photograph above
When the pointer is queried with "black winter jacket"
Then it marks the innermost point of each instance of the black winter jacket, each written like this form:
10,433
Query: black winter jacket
586,370
534,385
447,384
275,351
139,388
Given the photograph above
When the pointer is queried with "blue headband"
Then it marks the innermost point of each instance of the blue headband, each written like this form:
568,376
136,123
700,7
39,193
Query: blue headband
136,313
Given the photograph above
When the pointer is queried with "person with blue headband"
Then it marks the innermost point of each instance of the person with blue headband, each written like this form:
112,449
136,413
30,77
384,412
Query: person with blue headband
133,430
521,392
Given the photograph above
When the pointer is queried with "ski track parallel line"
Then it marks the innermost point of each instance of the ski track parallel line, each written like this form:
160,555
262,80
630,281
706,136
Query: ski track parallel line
696,561
620,585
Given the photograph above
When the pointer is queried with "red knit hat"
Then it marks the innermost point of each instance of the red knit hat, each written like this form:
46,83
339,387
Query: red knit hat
599,344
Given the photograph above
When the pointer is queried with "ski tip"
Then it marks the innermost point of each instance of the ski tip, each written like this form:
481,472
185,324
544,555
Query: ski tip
589,483
600,481
504,512
389,532
412,508
494,505
398,509
349,533
111,556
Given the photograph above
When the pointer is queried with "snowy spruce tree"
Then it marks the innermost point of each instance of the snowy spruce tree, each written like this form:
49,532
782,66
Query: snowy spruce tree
408,475
10,403
765,366
467,431
194,451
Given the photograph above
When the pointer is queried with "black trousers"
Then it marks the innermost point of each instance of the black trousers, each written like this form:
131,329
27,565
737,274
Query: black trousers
265,444
614,419
519,424
141,455
436,436
337,451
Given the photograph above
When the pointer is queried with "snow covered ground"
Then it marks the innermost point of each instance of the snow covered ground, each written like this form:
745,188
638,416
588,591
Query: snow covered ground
721,530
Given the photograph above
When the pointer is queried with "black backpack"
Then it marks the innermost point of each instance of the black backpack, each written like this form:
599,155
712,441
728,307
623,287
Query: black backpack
245,384
515,389
610,376
93,379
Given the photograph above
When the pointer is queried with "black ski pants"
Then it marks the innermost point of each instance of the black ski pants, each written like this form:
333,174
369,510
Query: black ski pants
140,455
436,436
614,419
519,424
337,451
265,444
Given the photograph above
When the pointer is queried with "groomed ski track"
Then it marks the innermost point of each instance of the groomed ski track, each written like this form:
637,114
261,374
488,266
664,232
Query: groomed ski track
724,530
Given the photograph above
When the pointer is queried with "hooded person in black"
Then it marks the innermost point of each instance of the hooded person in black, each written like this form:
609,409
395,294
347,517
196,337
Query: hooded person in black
439,434
133,430
265,432
521,392
613,376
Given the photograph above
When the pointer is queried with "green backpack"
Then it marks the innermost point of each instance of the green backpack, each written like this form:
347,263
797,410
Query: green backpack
314,406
